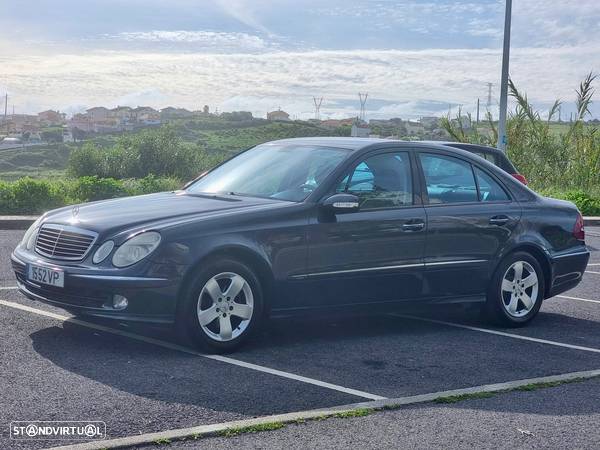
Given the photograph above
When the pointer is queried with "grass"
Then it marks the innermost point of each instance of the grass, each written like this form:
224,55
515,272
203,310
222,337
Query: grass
270,426
463,397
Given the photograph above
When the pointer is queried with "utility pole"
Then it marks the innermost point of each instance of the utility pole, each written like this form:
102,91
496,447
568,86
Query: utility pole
504,81
317,102
6,112
363,100
477,110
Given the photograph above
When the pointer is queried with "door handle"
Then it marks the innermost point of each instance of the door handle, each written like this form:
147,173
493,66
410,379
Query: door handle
413,226
499,220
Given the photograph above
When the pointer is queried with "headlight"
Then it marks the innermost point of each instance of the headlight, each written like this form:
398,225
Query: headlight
136,248
30,235
103,251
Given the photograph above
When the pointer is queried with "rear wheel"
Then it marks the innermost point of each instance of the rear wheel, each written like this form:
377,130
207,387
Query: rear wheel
223,307
516,291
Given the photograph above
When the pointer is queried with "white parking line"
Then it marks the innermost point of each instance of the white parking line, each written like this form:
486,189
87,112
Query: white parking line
593,264
595,273
577,298
8,288
499,333
204,431
169,345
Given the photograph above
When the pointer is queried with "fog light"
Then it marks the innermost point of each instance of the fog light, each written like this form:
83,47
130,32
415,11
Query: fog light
119,302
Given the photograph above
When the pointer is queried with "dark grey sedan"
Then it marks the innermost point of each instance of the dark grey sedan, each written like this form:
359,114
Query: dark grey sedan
318,224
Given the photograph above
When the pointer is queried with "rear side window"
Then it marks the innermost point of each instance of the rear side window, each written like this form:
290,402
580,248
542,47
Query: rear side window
448,179
489,189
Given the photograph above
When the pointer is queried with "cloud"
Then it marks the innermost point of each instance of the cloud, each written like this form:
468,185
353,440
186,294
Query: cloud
263,81
210,41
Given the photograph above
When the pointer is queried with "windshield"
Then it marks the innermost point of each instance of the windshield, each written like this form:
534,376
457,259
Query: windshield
285,172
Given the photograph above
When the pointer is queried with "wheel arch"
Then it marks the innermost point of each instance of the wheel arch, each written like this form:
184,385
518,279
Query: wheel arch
257,262
542,258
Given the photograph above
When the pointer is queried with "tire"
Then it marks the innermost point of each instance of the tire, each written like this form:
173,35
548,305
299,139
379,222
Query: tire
513,304
243,311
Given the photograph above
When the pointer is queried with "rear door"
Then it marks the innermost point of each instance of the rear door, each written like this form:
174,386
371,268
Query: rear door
470,218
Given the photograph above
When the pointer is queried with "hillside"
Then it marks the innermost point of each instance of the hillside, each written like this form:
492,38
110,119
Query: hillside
214,134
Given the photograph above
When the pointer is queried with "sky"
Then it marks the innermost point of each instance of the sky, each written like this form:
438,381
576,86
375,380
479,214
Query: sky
414,58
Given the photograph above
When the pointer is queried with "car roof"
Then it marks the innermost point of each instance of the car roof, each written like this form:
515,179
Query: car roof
466,145
355,143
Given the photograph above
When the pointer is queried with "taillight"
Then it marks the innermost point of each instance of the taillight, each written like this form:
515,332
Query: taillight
521,178
578,229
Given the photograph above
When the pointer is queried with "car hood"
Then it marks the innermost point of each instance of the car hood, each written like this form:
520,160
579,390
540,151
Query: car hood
165,208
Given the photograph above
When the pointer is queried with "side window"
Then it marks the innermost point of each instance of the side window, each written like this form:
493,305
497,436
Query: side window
489,189
381,181
448,179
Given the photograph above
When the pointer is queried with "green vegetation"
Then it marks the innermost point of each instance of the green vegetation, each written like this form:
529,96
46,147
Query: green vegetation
230,432
560,160
462,397
30,196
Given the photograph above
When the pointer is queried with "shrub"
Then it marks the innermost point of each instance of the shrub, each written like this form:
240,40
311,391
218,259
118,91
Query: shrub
29,196
89,189
159,152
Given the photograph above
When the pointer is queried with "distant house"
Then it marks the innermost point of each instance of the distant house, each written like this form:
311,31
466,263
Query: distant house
174,113
98,113
51,117
145,115
19,123
360,130
81,122
278,115
121,113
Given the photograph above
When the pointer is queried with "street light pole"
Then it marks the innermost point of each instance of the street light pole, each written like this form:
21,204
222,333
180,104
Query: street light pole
502,141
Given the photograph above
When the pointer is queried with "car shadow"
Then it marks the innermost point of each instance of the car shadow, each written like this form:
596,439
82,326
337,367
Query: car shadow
174,377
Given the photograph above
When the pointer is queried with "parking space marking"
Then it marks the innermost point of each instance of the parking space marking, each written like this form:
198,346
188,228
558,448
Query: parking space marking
8,288
595,273
577,298
499,333
181,348
593,264
204,431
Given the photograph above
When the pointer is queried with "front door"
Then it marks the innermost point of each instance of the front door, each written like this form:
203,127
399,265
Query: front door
376,253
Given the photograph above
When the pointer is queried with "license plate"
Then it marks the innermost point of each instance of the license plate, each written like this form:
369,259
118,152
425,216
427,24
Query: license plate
46,275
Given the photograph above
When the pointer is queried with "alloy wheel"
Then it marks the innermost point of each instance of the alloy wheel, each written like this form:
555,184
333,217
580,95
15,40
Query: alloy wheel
520,288
225,306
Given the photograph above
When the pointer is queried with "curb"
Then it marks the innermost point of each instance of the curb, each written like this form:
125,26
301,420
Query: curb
16,222
23,222
205,431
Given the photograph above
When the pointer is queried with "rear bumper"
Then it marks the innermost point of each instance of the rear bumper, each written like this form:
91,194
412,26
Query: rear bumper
567,270
86,292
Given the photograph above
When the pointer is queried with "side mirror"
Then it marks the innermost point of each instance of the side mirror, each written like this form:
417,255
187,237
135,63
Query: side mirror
341,203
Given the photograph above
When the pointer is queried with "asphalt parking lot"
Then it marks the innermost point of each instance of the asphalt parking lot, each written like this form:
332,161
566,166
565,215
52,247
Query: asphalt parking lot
54,368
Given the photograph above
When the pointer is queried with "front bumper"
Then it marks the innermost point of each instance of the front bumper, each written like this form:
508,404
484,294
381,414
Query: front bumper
89,291
567,270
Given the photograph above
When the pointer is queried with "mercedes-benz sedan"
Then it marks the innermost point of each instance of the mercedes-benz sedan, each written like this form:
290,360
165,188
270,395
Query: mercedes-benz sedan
319,224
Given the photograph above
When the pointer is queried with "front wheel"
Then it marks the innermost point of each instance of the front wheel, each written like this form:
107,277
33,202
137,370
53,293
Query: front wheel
223,307
516,292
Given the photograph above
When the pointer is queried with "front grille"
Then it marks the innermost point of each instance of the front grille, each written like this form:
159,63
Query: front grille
64,242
